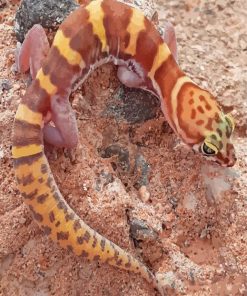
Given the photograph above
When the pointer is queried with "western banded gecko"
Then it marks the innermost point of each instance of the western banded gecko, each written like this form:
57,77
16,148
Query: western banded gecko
103,31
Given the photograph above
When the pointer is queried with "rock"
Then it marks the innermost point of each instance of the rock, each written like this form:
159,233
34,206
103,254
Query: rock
144,194
170,280
133,105
121,153
147,240
104,179
3,3
139,231
142,168
48,13
5,84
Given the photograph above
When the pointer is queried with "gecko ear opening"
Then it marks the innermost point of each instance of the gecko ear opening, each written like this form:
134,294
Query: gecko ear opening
230,121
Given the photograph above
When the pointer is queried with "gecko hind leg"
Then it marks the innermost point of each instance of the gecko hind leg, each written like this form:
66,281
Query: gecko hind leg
169,36
65,131
30,56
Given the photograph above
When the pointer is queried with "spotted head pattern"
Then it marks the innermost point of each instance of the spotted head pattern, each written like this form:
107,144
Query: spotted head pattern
198,119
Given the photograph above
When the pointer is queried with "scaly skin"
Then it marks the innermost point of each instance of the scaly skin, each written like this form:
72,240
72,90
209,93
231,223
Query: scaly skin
91,34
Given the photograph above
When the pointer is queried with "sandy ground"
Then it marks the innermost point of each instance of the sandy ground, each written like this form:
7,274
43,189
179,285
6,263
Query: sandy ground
126,173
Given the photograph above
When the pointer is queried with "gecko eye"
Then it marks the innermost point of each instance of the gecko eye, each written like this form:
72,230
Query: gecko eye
230,121
209,149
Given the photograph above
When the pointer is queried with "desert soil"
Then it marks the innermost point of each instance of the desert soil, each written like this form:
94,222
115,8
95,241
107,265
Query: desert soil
133,180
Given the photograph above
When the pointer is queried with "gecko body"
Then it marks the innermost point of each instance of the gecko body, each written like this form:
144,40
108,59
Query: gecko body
102,31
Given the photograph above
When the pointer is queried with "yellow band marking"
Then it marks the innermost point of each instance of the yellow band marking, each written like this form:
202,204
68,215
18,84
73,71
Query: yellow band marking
25,114
161,56
135,26
45,82
62,43
26,150
96,17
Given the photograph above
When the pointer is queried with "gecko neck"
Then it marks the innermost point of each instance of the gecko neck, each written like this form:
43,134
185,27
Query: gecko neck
189,109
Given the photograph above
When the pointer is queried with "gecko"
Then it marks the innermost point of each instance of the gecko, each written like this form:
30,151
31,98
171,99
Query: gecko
103,31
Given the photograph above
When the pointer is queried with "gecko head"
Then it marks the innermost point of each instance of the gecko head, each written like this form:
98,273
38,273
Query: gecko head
201,123
217,144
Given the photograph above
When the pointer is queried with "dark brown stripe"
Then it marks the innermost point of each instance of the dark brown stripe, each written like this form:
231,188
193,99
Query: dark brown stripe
76,20
116,20
36,98
27,160
89,50
147,45
61,78
26,133
166,76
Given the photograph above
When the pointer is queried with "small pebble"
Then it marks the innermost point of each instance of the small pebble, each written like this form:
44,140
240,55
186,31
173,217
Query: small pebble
144,194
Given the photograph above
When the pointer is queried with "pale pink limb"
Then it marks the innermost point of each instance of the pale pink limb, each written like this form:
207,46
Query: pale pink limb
128,77
65,132
169,36
31,55
33,51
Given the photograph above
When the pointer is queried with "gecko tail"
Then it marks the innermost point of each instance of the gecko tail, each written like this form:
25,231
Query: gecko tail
63,225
